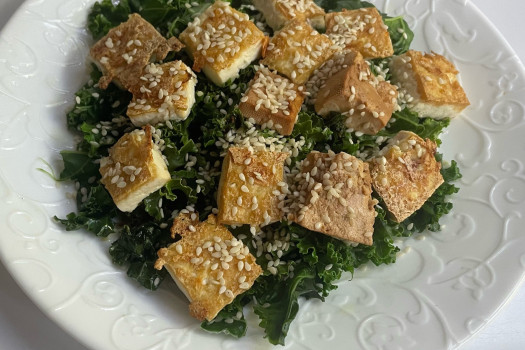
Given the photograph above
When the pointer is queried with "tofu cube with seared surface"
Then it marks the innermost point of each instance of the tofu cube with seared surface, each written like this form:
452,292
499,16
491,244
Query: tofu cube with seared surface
366,101
222,41
339,61
337,199
126,49
430,84
272,100
278,12
360,30
209,265
134,169
249,187
406,173
297,50
163,92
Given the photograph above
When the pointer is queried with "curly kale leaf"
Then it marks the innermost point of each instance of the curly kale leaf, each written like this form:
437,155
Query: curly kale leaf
105,15
279,306
339,5
170,17
137,248
400,33
95,213
230,320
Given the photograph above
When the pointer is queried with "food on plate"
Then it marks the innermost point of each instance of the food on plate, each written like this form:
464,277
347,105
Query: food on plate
134,169
272,100
127,48
222,41
269,199
338,200
361,30
365,101
278,12
405,173
164,92
208,264
297,50
430,84
249,190
318,79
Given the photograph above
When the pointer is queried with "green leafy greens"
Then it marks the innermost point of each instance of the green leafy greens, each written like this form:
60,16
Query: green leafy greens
193,149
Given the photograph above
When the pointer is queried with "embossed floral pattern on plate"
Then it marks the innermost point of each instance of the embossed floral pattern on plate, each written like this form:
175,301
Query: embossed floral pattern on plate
443,288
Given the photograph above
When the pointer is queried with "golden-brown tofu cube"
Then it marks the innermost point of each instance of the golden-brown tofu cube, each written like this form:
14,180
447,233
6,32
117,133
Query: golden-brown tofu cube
134,169
208,264
406,173
367,102
297,50
430,84
317,80
338,200
163,92
247,187
222,41
126,49
272,100
278,12
360,30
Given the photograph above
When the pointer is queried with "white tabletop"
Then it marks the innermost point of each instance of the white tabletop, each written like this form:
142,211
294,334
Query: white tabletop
24,326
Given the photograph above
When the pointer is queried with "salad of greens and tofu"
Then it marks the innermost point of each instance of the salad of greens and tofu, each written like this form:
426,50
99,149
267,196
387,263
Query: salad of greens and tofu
257,150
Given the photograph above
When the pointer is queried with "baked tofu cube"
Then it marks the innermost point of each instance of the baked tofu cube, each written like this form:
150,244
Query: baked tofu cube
163,92
126,49
278,12
367,102
209,265
337,63
134,169
272,100
222,41
360,30
297,50
430,84
338,199
406,173
248,185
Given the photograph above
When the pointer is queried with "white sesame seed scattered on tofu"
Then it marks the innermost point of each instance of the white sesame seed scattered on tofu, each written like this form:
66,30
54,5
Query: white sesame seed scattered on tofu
211,35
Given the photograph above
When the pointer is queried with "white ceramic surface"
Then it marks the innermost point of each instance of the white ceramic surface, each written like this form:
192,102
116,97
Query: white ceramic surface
445,286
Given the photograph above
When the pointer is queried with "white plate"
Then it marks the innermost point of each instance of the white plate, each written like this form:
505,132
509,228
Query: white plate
437,295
